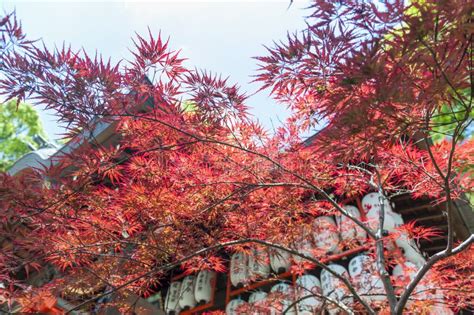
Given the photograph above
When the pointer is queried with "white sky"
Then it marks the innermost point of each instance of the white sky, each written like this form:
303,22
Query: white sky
220,36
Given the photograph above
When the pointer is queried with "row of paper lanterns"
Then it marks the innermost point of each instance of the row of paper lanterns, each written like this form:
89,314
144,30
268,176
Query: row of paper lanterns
310,295
186,294
326,236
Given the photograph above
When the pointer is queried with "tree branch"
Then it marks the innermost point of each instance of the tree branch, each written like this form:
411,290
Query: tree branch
426,267
222,246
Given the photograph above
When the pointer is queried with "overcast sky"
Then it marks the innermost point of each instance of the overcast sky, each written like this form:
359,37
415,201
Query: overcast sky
220,36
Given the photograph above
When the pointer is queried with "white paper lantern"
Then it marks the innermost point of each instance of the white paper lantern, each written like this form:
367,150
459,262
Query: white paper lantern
304,246
204,286
326,236
423,291
406,270
403,273
282,299
232,307
259,264
371,200
334,288
257,296
372,207
280,260
397,218
348,229
186,294
239,273
172,298
258,303
308,287
364,275
410,250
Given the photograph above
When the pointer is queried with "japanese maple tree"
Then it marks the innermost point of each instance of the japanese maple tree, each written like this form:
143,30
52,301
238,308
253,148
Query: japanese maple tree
193,175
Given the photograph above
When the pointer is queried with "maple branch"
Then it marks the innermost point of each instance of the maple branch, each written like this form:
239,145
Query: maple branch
265,157
222,246
426,267
412,163
321,265
97,276
383,273
342,306
75,191
445,187
79,249
443,73
449,170
248,189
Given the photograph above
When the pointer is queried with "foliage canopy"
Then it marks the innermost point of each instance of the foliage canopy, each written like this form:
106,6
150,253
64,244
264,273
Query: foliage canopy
187,185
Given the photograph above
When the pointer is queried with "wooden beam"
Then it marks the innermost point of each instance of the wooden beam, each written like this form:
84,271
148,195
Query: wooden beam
429,217
415,209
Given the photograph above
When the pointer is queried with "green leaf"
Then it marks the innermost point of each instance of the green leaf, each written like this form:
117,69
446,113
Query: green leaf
18,125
